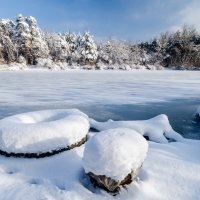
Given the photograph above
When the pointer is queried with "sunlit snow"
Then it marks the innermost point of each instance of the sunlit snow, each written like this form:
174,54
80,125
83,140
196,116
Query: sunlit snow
170,171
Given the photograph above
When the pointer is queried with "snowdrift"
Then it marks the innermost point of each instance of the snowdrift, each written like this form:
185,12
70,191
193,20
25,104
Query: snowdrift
157,129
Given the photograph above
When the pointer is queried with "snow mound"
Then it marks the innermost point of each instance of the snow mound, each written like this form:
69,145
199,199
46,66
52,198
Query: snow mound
115,153
157,129
42,131
198,112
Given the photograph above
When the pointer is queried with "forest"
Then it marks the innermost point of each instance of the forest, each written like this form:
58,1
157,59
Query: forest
23,43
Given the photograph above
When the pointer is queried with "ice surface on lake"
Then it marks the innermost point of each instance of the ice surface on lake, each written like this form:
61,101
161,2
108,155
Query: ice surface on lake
50,88
119,95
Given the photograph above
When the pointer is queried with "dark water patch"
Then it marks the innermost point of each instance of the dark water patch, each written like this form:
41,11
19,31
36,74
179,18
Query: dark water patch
181,112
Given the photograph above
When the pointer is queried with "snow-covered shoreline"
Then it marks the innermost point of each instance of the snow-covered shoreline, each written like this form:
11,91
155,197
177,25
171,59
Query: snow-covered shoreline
65,67
170,171
127,87
78,69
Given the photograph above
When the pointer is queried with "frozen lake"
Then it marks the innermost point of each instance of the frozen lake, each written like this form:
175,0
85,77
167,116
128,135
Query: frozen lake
107,94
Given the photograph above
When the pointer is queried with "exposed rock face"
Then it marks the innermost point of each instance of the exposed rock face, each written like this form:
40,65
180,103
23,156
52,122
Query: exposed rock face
104,182
109,184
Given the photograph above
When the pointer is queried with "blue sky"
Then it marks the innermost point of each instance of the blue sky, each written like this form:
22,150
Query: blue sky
124,19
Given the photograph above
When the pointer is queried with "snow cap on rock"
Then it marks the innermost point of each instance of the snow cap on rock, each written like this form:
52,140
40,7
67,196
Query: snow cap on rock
42,131
115,153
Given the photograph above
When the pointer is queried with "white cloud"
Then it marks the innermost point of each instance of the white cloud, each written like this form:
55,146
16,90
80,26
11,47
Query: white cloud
189,15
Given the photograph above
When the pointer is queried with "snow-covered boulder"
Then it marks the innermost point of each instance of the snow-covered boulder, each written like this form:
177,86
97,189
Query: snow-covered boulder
43,132
113,157
197,114
157,129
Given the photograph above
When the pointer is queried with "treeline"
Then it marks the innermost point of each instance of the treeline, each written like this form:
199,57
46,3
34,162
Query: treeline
22,42
180,49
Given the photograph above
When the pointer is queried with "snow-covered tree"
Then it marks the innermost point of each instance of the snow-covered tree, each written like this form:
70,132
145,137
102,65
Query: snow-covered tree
22,38
24,42
121,52
136,55
58,46
72,41
87,49
104,53
7,47
114,52
29,39
38,46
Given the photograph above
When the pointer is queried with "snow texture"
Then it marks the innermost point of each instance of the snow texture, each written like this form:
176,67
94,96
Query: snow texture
170,171
42,131
157,129
115,153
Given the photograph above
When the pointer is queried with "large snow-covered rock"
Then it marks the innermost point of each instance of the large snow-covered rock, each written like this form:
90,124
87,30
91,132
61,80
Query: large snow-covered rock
157,129
43,131
198,113
114,157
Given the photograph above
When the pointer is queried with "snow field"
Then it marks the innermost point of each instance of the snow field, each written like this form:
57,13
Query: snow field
171,170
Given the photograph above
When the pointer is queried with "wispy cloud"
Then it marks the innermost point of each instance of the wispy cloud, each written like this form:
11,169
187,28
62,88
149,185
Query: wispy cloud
188,15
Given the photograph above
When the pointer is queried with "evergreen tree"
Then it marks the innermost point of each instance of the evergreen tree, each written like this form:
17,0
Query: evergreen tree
22,37
87,49
7,47
38,46
72,41
58,47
